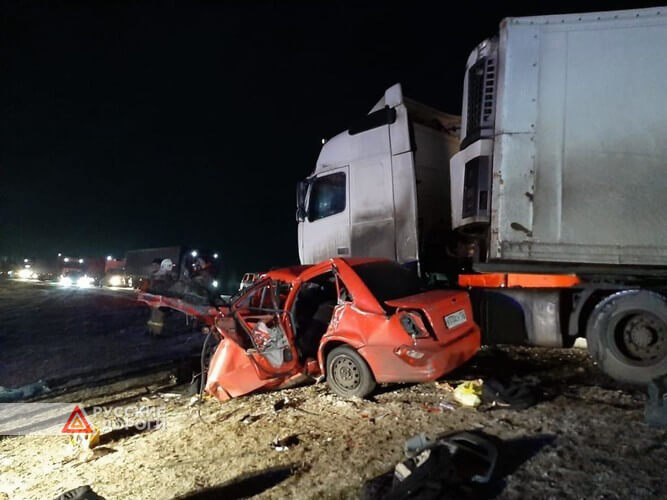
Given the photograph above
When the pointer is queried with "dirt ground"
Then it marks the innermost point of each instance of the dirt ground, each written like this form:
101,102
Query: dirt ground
585,439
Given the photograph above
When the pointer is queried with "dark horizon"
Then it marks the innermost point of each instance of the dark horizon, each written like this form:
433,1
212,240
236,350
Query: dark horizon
141,126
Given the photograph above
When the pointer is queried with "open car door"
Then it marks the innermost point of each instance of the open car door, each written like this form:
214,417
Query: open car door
258,349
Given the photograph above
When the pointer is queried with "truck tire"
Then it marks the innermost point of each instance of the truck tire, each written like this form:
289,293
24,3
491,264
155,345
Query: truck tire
627,336
348,375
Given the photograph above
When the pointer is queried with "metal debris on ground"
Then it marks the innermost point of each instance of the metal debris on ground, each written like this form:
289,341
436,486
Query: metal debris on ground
285,443
169,395
440,407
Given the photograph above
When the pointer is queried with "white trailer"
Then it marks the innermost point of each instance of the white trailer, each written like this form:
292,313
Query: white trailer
564,139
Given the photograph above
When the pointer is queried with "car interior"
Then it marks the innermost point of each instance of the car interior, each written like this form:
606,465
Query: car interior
312,312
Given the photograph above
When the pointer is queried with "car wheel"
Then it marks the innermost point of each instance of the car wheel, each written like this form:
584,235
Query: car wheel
348,375
627,336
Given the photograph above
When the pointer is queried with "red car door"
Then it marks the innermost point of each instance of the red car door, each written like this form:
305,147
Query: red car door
257,349
260,313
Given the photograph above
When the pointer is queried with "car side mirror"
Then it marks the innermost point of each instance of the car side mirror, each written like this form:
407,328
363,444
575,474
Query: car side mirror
301,190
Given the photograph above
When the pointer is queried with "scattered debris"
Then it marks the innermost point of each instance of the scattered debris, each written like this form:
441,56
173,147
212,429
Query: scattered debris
440,407
169,395
86,441
285,403
80,493
515,396
447,467
285,443
249,419
469,393
444,386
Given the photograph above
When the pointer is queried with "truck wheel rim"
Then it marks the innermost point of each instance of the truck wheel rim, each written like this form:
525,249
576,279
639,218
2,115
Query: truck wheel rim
643,338
346,373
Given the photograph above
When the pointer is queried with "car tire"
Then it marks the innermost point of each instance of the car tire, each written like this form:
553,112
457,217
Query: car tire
348,374
627,336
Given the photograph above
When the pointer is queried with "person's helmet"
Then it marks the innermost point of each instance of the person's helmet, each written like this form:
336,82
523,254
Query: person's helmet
166,265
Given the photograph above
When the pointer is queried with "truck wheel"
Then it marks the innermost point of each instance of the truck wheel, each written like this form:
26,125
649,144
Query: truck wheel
627,336
348,375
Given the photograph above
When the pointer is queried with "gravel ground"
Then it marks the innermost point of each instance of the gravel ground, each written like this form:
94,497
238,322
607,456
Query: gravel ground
585,439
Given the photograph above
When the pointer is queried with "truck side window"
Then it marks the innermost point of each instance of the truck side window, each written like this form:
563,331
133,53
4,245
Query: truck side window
327,196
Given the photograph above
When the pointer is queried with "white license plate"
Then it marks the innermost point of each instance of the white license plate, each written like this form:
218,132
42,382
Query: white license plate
455,319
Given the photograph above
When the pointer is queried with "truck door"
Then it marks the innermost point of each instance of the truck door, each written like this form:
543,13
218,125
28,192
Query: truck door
326,226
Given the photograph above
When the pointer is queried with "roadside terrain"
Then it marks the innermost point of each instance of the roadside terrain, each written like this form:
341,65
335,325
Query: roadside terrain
585,439
60,335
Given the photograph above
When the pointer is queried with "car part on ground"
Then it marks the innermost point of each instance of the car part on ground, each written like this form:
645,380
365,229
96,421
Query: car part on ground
514,396
448,467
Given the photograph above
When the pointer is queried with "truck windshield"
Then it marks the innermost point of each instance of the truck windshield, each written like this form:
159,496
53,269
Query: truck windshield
389,280
327,196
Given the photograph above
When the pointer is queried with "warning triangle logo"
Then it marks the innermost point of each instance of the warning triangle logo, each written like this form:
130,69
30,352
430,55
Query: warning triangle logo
77,423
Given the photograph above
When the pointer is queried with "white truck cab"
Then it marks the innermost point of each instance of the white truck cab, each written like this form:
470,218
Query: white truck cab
381,188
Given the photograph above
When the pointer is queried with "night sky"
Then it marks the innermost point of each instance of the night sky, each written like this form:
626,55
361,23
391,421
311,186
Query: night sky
155,124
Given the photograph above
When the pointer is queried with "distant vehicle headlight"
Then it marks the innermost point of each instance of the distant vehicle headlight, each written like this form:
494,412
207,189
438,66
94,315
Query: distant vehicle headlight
215,283
115,280
65,281
84,281
25,274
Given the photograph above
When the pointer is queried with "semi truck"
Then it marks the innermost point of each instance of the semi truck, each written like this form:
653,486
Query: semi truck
545,199
141,264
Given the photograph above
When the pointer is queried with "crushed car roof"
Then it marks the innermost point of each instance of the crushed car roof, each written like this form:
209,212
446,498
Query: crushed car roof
290,274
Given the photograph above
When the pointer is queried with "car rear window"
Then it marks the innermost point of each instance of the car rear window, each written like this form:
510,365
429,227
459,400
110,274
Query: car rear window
389,280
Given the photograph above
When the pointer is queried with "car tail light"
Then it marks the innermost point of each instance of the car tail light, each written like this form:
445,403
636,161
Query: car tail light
411,355
413,325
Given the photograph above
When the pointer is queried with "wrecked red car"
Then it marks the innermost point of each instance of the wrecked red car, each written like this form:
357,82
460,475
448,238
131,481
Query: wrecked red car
357,322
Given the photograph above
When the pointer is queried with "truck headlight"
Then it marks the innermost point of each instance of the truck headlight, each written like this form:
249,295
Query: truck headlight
65,281
25,274
115,280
